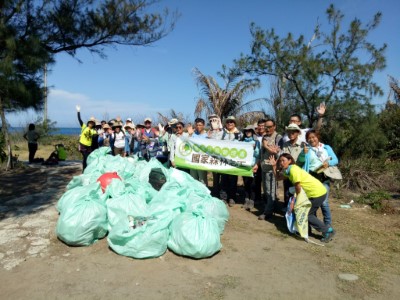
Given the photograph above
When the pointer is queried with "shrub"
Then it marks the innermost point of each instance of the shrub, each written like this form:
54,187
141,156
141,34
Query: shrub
378,200
366,175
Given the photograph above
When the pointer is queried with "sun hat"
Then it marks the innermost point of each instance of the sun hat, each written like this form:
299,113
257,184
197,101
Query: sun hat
129,119
147,120
106,126
249,127
173,121
92,120
97,123
139,125
293,127
117,124
212,116
230,118
127,126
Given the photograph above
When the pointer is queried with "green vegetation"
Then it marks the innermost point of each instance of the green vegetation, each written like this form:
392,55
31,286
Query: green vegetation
33,32
374,199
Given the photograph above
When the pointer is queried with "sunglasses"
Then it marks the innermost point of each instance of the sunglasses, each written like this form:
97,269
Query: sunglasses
269,127
179,127
230,121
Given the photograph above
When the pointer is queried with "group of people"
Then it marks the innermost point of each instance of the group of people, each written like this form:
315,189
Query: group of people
298,157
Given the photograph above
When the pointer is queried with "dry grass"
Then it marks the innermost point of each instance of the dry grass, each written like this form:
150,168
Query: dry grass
367,244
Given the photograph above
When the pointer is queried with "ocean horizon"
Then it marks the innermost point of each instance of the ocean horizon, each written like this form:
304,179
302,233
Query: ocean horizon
60,130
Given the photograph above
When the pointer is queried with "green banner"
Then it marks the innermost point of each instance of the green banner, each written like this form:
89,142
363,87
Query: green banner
227,157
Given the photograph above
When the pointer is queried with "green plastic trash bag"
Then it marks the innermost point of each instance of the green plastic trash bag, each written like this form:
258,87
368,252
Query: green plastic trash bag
90,191
210,207
195,235
83,222
96,154
130,204
130,168
186,181
115,189
138,237
143,190
83,179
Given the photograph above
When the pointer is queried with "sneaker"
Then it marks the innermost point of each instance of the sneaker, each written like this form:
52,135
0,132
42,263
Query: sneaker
265,216
231,202
223,195
246,204
328,235
251,205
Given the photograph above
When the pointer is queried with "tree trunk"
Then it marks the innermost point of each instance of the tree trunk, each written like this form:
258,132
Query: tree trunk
6,136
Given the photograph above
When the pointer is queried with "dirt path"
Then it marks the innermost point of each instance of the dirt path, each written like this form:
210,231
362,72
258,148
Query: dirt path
259,260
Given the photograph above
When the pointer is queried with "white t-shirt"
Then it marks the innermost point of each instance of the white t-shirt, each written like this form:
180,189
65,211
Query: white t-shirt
119,140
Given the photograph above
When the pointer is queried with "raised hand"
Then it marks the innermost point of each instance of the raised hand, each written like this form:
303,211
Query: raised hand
321,109
190,129
161,129
305,149
272,160
78,108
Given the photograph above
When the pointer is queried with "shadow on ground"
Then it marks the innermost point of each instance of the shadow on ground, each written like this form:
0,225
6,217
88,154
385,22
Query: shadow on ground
31,189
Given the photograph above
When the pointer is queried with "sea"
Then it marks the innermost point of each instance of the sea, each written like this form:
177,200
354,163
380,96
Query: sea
61,130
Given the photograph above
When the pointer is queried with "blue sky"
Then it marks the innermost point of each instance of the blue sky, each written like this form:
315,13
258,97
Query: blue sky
139,82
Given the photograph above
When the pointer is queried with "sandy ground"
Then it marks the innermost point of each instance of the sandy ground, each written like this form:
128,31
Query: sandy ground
259,260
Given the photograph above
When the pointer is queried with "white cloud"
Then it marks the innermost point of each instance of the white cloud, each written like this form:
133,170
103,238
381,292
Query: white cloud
61,108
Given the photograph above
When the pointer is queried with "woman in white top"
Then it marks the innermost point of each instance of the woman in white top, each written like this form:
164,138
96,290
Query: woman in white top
118,138
32,136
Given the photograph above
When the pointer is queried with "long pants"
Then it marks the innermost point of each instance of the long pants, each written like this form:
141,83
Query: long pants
326,211
249,187
313,221
32,150
85,150
269,186
216,189
286,185
229,185
85,155
199,175
257,185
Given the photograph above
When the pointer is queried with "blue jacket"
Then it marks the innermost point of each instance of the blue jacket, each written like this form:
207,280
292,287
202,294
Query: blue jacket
309,162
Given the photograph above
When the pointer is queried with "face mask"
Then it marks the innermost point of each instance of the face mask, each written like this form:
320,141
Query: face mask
214,124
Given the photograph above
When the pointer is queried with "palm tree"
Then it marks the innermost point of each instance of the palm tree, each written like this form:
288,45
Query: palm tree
226,101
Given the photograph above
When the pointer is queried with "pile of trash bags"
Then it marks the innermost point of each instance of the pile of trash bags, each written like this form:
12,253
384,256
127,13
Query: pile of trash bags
145,209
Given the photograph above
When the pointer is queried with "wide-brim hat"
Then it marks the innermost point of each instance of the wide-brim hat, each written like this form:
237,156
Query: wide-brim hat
106,126
92,120
230,118
293,127
140,125
213,116
173,122
147,120
129,126
249,127
117,124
